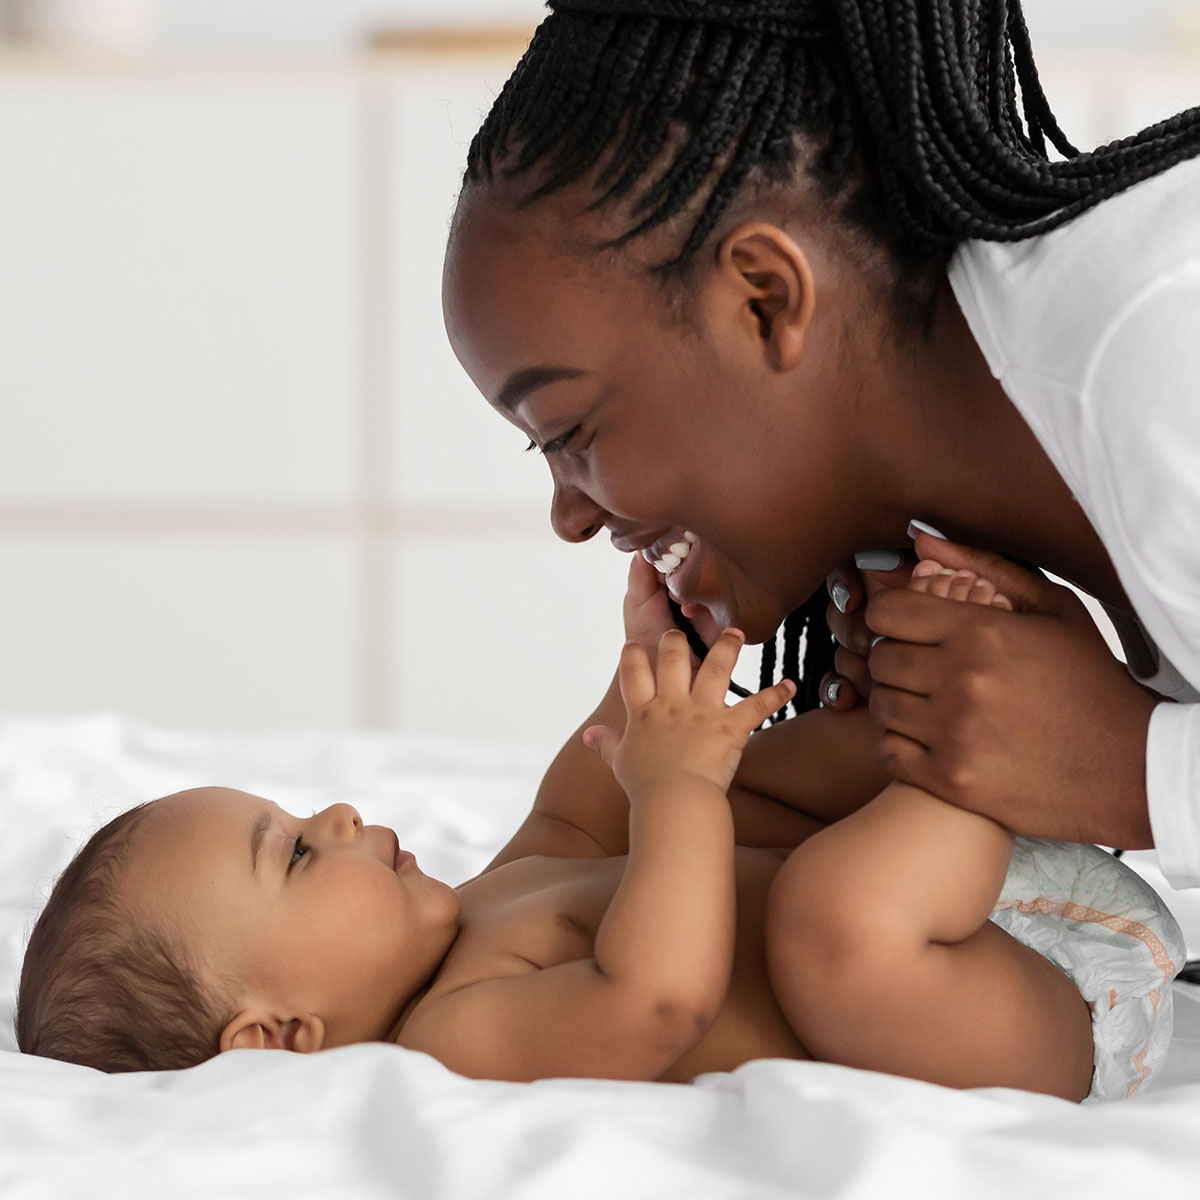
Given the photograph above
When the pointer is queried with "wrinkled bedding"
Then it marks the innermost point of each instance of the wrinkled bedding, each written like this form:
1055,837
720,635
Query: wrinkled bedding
375,1120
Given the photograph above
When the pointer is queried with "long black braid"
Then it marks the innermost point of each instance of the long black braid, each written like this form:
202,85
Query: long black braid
924,120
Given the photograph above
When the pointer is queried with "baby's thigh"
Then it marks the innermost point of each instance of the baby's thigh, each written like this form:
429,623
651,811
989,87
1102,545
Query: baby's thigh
860,986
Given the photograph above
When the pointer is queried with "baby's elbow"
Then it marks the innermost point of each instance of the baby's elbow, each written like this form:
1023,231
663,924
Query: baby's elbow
680,1024
666,1027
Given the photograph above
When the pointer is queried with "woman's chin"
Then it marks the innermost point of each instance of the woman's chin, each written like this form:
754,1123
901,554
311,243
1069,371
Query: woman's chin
755,621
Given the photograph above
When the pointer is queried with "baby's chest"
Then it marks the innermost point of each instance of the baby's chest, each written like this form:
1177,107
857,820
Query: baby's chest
538,911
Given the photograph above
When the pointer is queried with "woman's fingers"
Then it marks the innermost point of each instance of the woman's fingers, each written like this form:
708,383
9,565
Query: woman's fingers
905,759
845,588
851,585
837,693
901,712
903,665
854,668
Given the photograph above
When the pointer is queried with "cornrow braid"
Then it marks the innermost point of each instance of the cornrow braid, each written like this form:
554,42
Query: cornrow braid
923,123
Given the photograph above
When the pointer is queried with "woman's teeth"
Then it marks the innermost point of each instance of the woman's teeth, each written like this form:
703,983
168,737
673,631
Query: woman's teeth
675,553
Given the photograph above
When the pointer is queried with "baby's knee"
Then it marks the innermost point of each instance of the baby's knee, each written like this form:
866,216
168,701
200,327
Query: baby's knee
831,937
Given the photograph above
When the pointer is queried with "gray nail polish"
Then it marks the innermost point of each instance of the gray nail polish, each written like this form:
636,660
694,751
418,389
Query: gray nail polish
831,691
840,594
878,560
879,637
922,527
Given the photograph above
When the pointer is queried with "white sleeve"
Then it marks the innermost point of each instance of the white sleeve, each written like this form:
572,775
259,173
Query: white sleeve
1144,416
1173,788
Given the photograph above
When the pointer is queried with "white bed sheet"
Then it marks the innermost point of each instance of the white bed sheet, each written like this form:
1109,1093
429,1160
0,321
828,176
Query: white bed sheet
375,1120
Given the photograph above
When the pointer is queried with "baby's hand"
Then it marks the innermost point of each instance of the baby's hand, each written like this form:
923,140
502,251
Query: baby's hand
678,728
648,615
646,612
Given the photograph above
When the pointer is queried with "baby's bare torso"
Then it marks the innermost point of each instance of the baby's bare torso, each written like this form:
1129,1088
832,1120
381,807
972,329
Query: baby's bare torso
547,911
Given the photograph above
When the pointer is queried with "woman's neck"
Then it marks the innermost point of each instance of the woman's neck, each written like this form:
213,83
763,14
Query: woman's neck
972,467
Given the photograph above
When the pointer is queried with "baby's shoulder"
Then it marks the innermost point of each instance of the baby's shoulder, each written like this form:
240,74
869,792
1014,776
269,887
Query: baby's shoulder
456,989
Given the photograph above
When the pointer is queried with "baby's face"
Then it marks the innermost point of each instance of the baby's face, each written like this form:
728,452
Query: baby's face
318,915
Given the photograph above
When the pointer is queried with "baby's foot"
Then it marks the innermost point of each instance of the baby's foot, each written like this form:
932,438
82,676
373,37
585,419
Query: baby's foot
935,580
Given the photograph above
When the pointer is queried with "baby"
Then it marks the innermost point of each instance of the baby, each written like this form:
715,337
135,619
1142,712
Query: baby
685,900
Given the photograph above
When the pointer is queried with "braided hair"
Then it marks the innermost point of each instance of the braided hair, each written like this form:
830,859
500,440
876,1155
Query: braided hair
922,122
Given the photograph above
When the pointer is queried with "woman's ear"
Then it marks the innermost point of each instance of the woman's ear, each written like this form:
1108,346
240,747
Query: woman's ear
775,279
258,1029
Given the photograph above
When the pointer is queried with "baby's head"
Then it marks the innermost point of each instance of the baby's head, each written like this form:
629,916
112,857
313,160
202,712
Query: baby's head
213,920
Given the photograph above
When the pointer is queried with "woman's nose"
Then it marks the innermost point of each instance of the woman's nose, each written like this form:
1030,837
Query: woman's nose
573,516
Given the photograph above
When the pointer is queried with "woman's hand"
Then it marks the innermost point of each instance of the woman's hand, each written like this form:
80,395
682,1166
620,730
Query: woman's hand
850,587
1023,716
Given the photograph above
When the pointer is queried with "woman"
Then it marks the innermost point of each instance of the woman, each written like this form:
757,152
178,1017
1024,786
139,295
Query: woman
769,279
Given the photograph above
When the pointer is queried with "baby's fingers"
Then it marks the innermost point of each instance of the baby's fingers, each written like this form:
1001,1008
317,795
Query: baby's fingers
674,664
603,740
712,680
757,708
643,581
634,675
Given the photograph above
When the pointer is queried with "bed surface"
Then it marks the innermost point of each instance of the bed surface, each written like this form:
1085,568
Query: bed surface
375,1120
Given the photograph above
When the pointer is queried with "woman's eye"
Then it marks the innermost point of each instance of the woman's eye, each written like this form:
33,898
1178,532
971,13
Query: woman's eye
559,443
298,848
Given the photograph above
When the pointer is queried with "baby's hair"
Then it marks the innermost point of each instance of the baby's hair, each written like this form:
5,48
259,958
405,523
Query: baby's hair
922,122
100,987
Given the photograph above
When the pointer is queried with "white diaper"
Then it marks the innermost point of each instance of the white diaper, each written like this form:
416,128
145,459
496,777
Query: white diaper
1103,925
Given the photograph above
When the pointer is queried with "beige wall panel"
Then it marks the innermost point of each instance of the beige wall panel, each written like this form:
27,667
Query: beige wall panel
450,445
178,315
247,634
508,639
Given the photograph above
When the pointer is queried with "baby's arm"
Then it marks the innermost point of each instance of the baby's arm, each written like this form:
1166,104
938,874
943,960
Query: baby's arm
793,778
664,950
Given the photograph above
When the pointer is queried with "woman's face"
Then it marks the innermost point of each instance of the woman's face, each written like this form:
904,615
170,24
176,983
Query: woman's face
653,426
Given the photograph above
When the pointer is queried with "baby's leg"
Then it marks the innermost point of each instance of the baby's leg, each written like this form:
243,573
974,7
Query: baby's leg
881,954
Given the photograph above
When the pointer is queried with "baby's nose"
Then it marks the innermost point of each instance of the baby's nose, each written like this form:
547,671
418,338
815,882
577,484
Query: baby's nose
342,819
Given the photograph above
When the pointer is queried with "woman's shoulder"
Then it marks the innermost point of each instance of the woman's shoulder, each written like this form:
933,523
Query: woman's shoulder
1044,305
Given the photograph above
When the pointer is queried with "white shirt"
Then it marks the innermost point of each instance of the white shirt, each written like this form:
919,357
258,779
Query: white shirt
1093,330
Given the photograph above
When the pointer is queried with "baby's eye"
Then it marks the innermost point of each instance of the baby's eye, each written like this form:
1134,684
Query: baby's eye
298,848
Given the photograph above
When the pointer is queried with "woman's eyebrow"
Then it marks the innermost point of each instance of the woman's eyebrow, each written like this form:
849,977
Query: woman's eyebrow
520,383
259,828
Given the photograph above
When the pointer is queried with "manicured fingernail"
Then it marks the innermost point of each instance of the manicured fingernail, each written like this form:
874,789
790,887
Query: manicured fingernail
880,637
878,560
915,527
840,594
831,691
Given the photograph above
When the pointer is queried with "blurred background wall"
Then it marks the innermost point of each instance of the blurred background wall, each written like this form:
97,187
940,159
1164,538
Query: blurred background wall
243,482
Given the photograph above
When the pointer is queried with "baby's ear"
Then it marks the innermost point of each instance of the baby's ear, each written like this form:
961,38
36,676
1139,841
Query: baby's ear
254,1029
